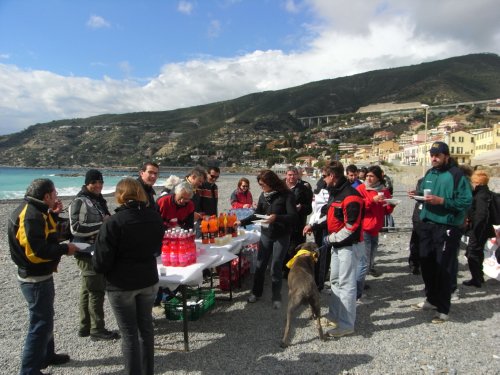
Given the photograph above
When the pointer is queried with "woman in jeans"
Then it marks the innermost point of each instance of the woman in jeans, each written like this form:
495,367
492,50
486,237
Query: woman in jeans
278,203
374,194
125,252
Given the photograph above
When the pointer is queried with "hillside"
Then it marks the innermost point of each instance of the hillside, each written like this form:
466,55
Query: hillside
128,139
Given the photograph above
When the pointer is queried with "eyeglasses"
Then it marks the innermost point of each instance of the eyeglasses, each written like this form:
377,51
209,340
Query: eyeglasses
215,177
93,182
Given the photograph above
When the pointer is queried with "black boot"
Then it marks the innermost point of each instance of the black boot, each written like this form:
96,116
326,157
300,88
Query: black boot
472,282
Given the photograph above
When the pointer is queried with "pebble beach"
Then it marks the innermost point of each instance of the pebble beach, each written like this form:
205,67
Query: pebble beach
236,337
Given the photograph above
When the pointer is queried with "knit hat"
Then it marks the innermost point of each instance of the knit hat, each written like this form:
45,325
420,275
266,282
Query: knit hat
480,178
439,148
93,175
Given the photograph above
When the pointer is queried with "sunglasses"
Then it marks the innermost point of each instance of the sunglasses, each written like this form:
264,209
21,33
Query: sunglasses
325,175
244,186
215,177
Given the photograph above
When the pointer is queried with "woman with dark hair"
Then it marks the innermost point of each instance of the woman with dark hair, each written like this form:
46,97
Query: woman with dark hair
242,197
374,194
278,204
125,252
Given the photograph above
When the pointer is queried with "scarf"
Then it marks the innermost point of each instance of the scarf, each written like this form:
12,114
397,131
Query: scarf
269,196
377,186
301,252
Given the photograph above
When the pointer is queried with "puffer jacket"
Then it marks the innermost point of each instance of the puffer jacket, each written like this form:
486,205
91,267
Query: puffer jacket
373,219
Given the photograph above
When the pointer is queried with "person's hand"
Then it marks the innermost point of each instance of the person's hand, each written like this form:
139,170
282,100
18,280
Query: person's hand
58,207
434,200
72,249
271,219
246,205
378,198
307,229
412,193
197,216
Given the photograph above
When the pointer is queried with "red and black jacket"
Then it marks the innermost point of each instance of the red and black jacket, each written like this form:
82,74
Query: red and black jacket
345,214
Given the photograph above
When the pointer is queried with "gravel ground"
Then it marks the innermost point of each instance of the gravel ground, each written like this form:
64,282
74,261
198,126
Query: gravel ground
236,337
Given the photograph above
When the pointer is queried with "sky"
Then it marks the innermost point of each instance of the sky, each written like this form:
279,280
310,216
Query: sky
64,59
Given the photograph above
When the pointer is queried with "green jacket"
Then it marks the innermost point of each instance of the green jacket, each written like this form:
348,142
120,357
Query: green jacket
449,183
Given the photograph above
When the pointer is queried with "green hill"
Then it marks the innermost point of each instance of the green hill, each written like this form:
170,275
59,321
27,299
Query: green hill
128,139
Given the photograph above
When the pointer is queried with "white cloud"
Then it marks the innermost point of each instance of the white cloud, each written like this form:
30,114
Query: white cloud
348,37
185,7
97,22
4,56
291,6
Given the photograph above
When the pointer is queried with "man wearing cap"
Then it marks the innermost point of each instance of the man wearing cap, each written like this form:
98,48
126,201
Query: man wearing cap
87,213
447,197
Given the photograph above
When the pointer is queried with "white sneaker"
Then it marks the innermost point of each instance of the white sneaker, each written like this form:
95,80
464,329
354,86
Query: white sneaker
363,301
439,318
424,305
276,305
455,296
252,298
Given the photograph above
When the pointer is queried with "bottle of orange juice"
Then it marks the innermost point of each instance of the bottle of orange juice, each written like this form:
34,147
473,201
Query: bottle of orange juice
213,228
222,231
205,237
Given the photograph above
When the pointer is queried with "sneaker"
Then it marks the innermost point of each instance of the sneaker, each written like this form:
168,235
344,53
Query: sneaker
472,282
252,298
337,332
439,318
327,323
104,335
363,301
84,332
455,296
373,272
276,305
424,305
56,360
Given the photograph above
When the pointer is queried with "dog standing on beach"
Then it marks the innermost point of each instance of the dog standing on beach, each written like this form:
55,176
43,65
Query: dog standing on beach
302,289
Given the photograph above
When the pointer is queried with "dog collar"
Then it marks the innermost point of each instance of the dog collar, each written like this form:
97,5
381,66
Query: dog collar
302,252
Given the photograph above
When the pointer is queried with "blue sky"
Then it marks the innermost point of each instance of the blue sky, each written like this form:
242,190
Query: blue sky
77,58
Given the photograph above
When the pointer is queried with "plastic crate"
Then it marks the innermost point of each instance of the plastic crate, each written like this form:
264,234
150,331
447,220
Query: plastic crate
199,301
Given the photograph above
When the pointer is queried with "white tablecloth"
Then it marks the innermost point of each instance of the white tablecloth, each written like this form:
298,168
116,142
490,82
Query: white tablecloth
211,255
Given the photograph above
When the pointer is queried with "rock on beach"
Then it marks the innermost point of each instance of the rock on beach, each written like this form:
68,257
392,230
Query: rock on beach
236,337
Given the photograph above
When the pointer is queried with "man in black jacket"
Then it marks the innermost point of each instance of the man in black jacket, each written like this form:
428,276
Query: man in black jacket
36,251
147,177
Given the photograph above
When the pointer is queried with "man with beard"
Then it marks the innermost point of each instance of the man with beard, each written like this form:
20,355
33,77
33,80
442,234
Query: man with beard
87,213
446,196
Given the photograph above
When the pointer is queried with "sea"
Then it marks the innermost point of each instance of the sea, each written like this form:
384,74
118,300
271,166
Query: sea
68,182
14,181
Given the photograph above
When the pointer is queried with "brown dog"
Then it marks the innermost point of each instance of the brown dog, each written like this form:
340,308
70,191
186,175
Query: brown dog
302,289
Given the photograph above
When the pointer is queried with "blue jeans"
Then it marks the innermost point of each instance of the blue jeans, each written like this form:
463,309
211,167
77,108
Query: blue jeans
277,249
133,312
366,261
39,343
343,269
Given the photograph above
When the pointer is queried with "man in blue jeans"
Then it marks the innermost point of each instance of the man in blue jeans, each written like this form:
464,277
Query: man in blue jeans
35,249
344,216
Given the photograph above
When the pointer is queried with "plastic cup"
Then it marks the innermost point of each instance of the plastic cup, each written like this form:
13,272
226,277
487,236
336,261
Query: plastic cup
427,192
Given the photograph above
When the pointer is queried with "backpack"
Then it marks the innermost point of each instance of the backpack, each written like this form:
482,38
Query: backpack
494,208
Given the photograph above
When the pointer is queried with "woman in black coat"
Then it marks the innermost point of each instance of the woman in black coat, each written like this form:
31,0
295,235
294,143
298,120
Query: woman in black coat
278,203
125,252
479,229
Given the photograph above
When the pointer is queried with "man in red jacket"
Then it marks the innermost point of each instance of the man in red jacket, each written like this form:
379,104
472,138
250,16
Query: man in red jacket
344,216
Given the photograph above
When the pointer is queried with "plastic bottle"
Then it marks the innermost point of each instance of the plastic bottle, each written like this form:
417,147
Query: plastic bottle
183,251
222,231
192,246
234,226
205,231
174,250
213,228
165,249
